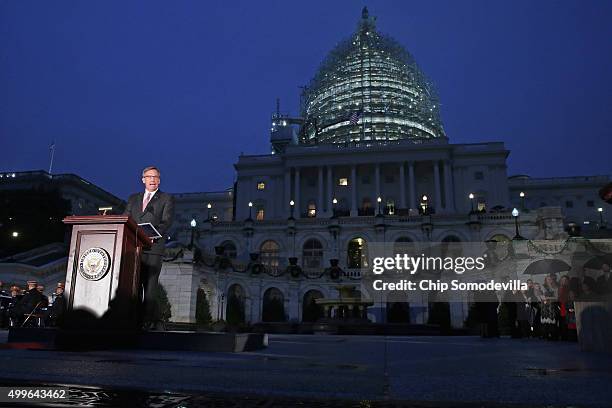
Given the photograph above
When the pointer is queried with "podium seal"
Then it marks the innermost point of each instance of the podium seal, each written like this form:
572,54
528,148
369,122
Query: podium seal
94,264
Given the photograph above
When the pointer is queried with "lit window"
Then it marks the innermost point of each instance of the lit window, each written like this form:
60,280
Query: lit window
261,185
482,206
343,181
312,210
260,214
391,207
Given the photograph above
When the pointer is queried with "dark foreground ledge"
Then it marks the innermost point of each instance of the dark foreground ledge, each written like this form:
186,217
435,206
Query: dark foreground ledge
92,339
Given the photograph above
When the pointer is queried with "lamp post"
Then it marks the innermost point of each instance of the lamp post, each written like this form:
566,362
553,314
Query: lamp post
379,200
471,197
292,206
515,214
334,202
250,210
193,224
209,206
601,222
522,195
424,204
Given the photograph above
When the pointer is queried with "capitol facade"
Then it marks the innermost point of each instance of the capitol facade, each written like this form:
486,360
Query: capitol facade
366,161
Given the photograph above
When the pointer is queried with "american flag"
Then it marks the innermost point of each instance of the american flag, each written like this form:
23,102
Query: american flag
354,118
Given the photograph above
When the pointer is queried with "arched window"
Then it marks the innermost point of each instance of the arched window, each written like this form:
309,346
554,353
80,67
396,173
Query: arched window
500,238
357,253
273,306
451,246
269,255
235,304
312,254
311,312
229,249
402,245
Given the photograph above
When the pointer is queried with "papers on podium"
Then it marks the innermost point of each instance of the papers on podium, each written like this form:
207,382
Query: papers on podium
150,230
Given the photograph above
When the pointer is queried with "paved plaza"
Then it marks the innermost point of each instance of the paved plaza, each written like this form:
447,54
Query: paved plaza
346,369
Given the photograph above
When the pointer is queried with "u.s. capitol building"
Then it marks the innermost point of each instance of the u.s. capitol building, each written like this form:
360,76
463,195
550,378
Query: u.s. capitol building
367,160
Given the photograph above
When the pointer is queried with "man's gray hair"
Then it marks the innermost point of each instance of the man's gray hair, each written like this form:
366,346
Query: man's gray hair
151,168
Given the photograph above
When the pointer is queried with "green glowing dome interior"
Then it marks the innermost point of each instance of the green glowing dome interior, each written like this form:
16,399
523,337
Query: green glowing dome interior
370,89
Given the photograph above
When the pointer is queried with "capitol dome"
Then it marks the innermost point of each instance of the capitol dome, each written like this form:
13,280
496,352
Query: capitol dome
369,89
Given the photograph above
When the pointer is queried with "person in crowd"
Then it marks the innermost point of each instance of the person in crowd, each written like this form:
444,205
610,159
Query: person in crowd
529,295
604,281
563,300
5,299
536,306
509,307
572,334
28,304
55,314
588,288
574,286
549,314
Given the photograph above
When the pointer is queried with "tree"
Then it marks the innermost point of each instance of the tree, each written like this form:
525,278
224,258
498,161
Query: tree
203,317
165,308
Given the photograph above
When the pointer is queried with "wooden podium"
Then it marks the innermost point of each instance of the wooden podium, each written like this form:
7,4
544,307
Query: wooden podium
103,262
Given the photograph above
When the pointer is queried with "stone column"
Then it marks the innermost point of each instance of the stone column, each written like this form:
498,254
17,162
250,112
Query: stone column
353,184
448,187
286,206
411,180
402,180
319,206
438,200
330,184
296,198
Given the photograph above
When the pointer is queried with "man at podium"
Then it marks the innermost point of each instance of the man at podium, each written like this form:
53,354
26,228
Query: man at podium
155,207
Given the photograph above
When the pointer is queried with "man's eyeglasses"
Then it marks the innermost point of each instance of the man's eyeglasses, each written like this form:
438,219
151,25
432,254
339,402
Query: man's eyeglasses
150,177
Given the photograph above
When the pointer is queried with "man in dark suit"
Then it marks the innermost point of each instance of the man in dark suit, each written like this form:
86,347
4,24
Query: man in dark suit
155,207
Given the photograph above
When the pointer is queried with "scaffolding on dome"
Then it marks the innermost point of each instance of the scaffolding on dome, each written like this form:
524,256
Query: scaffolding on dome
369,89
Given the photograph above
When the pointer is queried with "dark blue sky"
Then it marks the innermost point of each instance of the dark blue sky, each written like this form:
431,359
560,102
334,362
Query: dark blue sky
188,85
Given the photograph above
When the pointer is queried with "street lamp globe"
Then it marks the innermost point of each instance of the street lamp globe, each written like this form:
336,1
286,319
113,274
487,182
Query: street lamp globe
193,223
515,212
